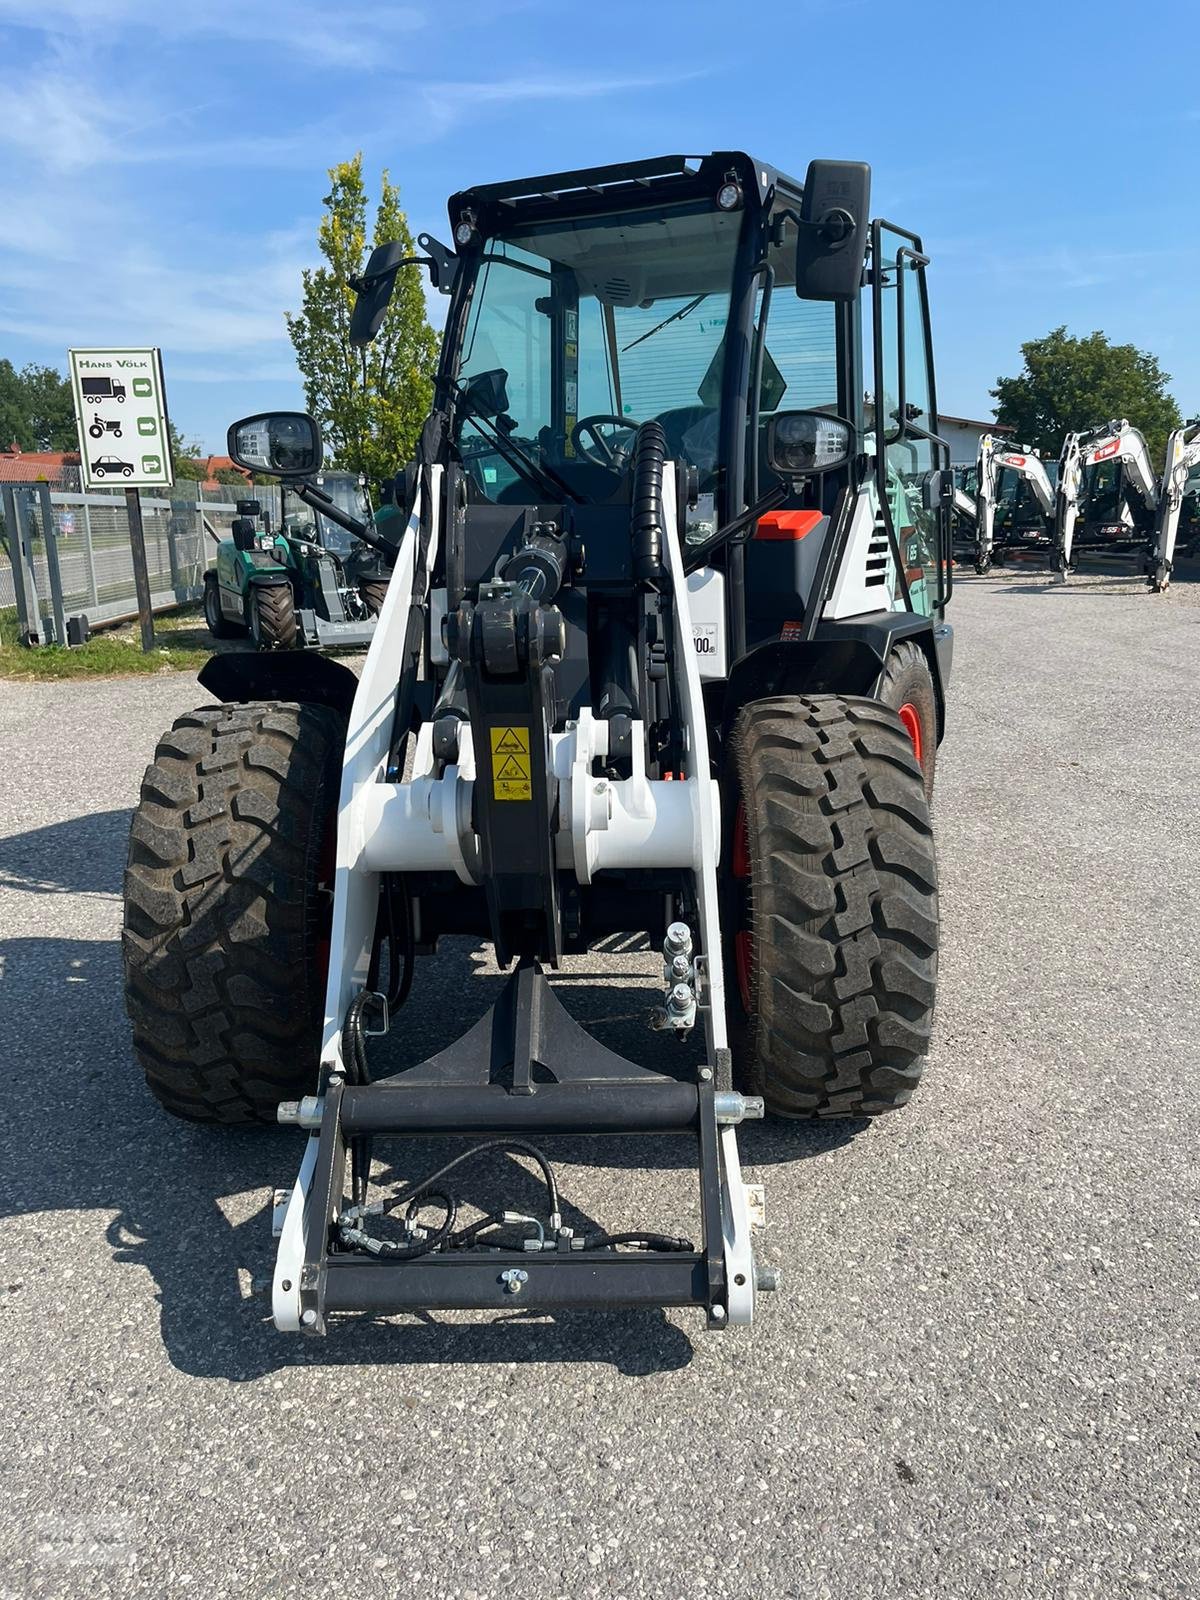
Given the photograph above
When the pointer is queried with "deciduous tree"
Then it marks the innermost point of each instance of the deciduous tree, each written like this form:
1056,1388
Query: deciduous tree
1069,383
370,404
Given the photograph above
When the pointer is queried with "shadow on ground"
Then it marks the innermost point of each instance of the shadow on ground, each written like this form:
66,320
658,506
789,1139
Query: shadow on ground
189,1205
85,855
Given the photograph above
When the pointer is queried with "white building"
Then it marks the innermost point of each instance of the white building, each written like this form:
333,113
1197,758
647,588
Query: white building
963,434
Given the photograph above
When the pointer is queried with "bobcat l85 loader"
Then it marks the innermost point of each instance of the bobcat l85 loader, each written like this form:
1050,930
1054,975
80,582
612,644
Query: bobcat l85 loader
662,653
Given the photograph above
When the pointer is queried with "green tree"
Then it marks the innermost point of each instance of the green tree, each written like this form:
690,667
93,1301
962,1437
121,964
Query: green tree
185,453
14,425
370,404
36,409
232,476
50,408
1068,384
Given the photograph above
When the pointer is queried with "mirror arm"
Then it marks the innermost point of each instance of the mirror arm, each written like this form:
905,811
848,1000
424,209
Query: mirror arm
362,282
318,501
697,555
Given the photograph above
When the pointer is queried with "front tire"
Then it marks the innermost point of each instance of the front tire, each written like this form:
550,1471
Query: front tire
273,623
227,908
374,593
831,907
907,689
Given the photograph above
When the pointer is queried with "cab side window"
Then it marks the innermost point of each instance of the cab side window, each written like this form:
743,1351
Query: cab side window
904,417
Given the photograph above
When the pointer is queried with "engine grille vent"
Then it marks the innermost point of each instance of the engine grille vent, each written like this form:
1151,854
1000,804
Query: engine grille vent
877,558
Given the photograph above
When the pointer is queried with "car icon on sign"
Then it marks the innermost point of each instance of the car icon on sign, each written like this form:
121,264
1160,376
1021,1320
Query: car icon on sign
110,466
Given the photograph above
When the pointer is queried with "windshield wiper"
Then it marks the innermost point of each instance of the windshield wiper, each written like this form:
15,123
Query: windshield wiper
676,316
537,473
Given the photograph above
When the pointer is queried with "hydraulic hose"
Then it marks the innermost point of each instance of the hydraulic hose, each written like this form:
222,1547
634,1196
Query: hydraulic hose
649,454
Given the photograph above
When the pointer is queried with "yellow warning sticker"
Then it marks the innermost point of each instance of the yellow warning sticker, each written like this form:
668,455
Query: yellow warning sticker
511,777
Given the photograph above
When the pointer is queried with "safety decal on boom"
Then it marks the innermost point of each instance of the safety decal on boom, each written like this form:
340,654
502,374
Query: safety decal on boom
511,777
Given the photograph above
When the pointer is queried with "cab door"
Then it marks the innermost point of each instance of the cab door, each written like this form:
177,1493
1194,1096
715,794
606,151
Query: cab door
912,463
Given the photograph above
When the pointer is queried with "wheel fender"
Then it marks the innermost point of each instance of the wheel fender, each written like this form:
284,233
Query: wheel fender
297,675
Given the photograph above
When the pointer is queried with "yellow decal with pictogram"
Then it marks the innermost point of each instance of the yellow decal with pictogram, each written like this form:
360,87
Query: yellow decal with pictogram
511,774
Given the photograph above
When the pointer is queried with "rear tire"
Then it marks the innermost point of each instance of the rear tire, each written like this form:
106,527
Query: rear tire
215,619
833,924
273,623
227,908
907,688
374,593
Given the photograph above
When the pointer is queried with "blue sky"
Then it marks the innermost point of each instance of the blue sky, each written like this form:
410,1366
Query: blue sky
162,166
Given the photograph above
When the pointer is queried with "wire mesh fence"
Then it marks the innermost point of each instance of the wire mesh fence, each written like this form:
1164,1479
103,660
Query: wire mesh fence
64,553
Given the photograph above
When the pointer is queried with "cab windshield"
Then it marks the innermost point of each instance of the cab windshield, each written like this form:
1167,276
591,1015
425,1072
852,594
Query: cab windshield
580,329
348,493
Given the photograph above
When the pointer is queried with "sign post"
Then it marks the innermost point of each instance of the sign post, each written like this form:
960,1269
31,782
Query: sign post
124,440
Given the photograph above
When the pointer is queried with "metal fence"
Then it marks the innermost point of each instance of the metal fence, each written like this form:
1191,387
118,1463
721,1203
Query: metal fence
65,553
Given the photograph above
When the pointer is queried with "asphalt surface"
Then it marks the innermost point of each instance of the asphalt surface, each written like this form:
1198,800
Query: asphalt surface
979,1377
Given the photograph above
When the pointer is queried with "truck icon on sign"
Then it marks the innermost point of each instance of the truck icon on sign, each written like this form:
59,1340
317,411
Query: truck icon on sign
97,389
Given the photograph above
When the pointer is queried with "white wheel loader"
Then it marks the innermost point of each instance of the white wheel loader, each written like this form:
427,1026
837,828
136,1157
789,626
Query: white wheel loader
663,652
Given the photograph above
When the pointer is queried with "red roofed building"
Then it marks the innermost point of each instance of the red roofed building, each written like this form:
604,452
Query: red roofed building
38,466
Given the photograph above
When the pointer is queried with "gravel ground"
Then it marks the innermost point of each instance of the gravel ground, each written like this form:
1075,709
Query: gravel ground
978,1379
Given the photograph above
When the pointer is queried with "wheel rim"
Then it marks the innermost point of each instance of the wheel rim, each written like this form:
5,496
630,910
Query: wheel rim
911,718
743,939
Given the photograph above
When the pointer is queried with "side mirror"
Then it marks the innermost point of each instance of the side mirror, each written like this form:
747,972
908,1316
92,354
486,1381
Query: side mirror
831,244
375,285
937,489
374,290
486,394
801,444
285,444
244,532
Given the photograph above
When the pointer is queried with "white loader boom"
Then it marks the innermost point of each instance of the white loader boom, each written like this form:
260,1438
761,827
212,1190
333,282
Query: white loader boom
1183,453
993,458
1116,441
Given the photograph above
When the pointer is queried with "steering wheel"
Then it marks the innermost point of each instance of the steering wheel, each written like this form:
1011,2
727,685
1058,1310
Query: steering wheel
606,453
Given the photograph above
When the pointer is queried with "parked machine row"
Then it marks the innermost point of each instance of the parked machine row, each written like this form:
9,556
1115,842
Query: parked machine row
1103,496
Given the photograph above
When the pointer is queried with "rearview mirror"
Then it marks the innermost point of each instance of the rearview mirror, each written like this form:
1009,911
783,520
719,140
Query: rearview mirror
284,444
485,394
801,444
244,533
831,243
375,288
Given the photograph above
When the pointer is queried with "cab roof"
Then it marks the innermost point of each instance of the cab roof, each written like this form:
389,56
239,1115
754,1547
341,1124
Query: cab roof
617,187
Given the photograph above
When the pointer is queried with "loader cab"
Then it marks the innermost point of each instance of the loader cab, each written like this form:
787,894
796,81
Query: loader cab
588,304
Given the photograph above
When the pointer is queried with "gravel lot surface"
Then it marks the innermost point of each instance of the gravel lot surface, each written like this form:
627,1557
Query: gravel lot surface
979,1377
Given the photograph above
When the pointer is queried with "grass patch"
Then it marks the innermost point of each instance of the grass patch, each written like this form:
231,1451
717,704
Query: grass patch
182,644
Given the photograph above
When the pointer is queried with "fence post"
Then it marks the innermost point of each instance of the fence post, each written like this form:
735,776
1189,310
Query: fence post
89,555
20,551
53,570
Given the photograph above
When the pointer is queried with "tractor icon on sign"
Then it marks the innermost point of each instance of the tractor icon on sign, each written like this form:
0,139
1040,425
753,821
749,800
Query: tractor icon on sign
99,426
